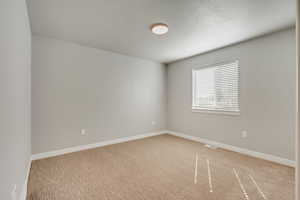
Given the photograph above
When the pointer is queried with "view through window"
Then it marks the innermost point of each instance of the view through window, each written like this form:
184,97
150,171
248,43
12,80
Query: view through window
216,88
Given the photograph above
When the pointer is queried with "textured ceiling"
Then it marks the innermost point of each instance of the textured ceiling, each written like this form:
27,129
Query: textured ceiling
195,26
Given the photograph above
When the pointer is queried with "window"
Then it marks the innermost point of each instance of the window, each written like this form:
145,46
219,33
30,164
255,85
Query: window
216,88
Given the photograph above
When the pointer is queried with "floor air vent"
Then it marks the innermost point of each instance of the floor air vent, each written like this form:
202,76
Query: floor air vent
210,146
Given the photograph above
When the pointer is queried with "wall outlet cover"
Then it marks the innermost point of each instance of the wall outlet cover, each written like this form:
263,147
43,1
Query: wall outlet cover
244,134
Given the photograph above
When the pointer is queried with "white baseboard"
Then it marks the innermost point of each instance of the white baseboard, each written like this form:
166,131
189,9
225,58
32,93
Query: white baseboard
23,193
94,145
248,152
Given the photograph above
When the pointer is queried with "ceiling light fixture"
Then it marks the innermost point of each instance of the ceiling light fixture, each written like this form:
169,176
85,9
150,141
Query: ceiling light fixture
159,28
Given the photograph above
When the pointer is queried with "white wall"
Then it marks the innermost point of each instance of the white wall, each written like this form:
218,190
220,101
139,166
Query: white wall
15,54
267,82
108,94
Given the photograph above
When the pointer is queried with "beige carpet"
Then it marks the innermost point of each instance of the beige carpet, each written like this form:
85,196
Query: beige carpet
158,168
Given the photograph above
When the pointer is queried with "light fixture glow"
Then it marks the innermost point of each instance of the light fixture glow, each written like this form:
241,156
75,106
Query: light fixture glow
159,28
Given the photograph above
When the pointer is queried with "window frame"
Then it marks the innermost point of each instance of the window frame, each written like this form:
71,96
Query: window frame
216,111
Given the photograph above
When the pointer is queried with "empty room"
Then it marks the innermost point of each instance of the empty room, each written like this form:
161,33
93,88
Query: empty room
149,100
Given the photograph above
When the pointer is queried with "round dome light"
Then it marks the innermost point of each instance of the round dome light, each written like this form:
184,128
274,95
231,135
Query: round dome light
159,28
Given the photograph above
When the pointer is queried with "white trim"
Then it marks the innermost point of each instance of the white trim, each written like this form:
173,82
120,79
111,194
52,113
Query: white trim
297,129
23,194
218,112
248,152
94,145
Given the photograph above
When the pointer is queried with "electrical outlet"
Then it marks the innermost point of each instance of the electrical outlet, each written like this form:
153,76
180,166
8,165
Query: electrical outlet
153,123
14,193
244,134
83,132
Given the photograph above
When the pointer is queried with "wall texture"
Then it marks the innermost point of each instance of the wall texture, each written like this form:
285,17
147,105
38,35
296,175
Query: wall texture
108,94
15,56
267,86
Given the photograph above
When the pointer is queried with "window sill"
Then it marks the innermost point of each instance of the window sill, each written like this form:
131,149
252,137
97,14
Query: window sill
217,112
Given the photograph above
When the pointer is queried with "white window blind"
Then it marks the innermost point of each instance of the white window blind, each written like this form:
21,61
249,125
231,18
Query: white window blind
216,88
